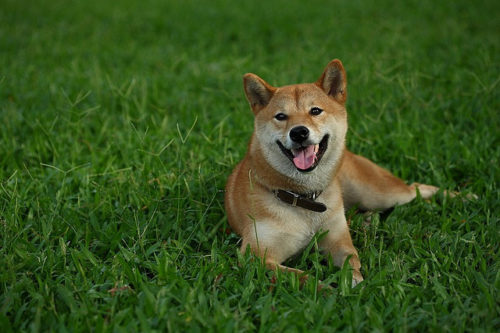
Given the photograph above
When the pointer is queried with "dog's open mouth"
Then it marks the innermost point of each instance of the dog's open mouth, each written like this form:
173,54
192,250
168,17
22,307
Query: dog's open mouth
306,158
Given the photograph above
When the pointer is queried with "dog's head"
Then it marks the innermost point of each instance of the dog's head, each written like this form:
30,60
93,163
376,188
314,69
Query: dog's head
300,129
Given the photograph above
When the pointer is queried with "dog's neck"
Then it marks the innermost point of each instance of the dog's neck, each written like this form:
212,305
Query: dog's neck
304,201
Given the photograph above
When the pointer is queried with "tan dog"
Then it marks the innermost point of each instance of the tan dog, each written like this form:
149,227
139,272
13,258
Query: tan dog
297,177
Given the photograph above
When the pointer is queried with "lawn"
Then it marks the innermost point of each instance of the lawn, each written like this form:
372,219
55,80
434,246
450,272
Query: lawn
121,120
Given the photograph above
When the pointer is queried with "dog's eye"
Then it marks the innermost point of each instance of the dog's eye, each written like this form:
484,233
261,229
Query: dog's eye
315,111
280,116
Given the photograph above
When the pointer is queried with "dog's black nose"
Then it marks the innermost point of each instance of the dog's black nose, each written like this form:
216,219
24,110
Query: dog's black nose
299,134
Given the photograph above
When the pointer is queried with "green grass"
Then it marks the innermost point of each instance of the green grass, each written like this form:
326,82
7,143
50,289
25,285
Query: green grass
119,123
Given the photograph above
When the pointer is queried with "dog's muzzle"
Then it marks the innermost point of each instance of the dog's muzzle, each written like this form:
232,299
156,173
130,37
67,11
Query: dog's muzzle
304,158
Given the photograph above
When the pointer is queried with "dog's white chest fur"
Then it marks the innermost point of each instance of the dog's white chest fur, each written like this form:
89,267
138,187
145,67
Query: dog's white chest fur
291,227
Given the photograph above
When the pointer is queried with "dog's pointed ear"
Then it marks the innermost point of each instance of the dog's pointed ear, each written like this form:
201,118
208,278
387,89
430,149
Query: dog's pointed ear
333,81
258,91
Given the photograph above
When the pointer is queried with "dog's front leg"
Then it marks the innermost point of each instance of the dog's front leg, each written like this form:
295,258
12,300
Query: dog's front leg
274,245
338,243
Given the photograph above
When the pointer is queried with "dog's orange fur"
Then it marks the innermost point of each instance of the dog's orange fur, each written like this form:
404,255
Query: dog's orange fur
275,230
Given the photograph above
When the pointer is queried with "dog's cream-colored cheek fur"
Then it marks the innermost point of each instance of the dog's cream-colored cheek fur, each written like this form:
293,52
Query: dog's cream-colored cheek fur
266,135
337,129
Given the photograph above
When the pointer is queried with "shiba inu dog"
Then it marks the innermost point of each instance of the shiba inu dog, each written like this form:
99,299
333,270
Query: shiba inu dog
298,178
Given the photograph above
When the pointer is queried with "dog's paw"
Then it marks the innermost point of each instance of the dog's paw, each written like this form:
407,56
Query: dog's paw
357,278
470,196
427,191
464,196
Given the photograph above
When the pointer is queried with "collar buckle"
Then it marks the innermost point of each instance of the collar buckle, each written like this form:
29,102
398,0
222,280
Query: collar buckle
303,201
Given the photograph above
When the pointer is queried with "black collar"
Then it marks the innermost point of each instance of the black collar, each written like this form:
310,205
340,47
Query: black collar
305,201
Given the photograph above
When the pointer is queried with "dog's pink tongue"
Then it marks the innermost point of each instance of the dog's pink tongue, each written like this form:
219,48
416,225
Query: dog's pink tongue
305,158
